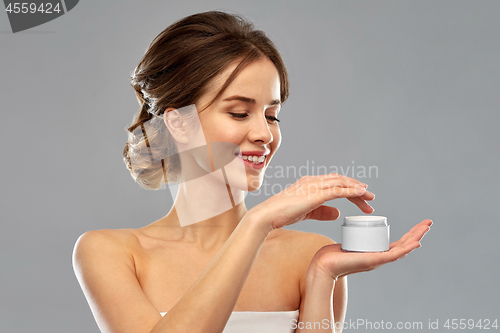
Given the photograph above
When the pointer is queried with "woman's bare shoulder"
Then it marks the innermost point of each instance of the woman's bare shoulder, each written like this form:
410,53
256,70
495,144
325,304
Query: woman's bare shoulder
105,268
111,237
106,241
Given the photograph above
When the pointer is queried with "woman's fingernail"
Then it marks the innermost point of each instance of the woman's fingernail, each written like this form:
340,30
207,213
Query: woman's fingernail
360,189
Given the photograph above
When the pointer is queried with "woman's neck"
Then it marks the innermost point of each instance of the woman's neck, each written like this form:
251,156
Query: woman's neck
205,211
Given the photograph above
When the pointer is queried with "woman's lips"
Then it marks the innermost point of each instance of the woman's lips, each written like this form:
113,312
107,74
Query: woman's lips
256,166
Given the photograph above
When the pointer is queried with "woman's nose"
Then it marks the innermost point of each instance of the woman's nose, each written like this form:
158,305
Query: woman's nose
260,130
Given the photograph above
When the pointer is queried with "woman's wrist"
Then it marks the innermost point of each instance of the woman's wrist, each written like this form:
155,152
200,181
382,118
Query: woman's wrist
317,272
256,224
258,219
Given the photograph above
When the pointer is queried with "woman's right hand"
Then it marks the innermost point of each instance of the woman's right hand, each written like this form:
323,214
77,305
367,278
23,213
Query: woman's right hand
305,198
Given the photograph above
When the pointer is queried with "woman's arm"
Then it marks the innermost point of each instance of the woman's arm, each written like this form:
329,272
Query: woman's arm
208,304
106,273
339,303
321,295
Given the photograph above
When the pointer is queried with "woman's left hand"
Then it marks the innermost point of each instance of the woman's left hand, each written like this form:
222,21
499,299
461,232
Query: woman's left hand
331,260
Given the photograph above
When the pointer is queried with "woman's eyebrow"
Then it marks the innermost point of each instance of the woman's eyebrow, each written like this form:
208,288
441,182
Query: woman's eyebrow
249,100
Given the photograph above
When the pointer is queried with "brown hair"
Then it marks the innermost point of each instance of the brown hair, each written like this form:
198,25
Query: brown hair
174,73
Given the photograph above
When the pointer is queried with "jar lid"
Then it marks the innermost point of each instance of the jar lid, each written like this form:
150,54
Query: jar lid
365,221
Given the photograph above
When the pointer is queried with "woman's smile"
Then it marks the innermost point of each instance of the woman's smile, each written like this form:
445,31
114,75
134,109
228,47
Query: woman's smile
254,160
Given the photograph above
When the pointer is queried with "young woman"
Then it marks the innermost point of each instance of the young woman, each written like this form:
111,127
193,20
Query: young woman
210,264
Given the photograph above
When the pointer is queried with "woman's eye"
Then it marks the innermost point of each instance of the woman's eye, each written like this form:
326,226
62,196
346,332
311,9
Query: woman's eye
238,115
273,119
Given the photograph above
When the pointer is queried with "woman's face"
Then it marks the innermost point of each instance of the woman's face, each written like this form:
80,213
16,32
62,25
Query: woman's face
244,115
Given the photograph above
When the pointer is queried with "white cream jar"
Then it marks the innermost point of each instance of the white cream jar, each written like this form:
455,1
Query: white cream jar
365,234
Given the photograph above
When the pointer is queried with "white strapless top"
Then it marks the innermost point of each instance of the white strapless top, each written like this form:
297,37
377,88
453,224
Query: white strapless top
261,322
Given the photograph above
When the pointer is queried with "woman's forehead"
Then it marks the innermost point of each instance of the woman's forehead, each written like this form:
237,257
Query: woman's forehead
258,80
257,83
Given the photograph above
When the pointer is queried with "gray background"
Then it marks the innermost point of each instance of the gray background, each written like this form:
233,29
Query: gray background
411,87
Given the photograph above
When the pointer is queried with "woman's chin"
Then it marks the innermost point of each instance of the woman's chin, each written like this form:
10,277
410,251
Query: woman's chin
247,185
254,184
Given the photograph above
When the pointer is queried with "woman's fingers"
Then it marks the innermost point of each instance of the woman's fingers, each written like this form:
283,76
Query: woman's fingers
364,196
368,196
362,204
410,241
304,200
336,175
416,233
336,186
335,192
402,247
333,179
335,183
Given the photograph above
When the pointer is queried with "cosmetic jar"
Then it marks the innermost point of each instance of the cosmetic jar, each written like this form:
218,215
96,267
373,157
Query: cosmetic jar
365,234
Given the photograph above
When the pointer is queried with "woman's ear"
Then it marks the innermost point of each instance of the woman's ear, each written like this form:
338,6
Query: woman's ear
175,125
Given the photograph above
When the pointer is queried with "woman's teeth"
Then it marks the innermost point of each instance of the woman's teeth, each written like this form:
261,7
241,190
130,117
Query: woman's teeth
253,158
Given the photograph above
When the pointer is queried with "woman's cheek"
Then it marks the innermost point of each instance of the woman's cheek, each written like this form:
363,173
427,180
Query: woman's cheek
276,139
